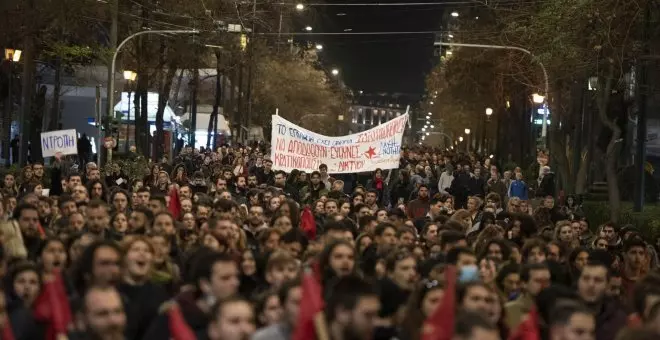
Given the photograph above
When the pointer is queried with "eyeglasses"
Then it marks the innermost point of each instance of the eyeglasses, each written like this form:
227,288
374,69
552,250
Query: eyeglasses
430,283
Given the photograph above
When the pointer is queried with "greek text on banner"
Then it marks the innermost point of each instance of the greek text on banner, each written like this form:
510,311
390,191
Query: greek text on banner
293,147
62,141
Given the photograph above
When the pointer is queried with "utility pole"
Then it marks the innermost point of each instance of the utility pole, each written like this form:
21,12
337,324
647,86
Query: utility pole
193,103
104,124
247,118
642,96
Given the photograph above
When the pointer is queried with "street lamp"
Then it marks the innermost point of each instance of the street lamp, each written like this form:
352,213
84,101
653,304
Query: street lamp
12,56
335,72
308,28
454,14
424,128
432,127
111,80
467,131
129,76
300,7
428,114
460,139
489,112
319,47
537,98
431,103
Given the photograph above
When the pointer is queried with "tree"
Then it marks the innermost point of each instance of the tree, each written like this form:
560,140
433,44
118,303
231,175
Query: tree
295,88
576,41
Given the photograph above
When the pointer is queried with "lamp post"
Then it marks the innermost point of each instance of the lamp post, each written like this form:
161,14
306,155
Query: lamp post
335,72
129,76
546,85
467,142
12,56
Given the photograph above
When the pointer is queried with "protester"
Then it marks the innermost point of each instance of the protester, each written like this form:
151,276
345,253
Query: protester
225,245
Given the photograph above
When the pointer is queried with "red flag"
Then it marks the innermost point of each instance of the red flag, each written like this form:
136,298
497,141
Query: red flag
179,329
7,333
440,324
309,309
52,307
528,329
174,206
634,321
308,224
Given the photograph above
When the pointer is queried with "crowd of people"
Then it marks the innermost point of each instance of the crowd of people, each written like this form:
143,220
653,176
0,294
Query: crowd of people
218,245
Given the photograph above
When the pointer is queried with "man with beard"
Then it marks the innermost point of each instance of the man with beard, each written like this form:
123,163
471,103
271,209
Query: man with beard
27,218
255,224
98,219
288,189
231,319
101,315
312,192
352,309
252,181
592,288
419,207
239,189
140,221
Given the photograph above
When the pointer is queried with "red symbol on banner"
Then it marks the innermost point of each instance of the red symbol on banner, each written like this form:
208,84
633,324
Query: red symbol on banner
371,152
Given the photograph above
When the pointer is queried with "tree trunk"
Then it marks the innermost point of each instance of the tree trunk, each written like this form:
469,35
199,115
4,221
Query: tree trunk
193,105
612,153
213,122
54,119
163,96
611,175
144,117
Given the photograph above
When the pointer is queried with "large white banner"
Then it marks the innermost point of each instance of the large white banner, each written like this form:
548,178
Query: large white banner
293,147
64,142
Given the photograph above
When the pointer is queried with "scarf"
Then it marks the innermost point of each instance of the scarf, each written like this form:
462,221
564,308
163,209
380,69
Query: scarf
378,183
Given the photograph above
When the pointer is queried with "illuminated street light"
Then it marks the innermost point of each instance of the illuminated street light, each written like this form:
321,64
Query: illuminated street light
423,129
428,114
467,131
335,71
319,47
427,133
300,7
460,139
308,28
431,103
538,99
130,75
432,126
454,14
13,55
489,112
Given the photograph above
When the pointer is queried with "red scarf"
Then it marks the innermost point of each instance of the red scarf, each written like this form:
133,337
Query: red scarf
378,183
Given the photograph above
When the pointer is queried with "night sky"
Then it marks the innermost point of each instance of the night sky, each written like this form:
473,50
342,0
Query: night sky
379,63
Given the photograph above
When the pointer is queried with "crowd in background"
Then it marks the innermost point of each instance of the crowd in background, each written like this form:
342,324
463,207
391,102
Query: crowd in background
219,245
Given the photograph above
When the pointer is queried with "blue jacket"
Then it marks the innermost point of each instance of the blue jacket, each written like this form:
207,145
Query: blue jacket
518,189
